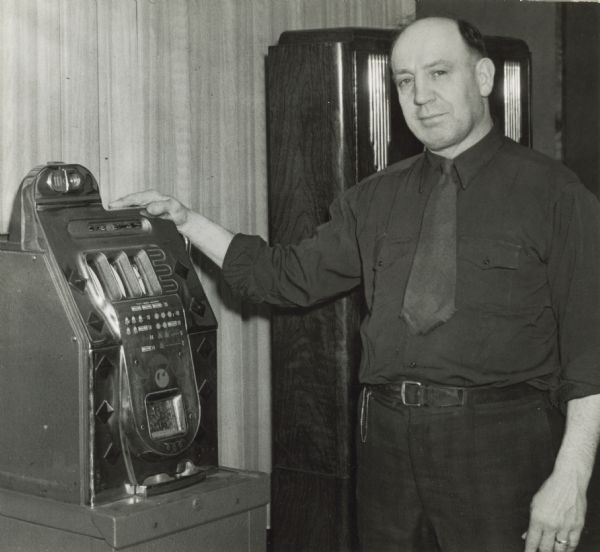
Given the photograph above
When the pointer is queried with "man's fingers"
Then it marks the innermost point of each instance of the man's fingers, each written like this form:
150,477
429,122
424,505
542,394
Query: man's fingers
533,538
153,204
538,540
161,207
548,541
572,538
137,199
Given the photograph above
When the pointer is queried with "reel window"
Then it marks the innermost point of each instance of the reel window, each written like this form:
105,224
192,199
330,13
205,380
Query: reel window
122,276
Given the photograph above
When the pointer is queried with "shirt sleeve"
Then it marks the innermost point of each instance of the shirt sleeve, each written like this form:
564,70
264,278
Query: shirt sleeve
317,268
574,276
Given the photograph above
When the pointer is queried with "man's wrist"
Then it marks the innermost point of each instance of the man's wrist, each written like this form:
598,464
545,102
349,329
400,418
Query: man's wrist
186,225
210,238
577,454
579,474
578,465
182,218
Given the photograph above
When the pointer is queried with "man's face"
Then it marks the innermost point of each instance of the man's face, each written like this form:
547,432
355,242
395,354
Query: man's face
441,86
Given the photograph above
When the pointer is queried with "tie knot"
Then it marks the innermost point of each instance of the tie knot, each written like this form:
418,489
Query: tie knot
449,174
447,166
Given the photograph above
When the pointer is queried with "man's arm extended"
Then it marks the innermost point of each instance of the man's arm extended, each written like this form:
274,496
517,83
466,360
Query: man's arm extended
210,238
558,509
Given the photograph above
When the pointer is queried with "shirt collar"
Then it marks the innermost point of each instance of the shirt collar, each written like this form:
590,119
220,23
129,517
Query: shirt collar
470,161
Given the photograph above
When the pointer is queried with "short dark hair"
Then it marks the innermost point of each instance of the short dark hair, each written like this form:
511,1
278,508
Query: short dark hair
472,37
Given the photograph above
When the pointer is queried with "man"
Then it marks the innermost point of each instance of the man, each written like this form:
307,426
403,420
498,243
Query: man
466,351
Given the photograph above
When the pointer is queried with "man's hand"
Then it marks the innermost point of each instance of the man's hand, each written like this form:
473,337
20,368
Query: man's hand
557,514
558,508
210,238
155,204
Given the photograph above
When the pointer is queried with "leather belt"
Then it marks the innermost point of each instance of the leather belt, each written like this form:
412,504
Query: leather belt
417,394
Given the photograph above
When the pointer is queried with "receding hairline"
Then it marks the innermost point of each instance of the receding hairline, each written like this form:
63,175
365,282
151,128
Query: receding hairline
469,34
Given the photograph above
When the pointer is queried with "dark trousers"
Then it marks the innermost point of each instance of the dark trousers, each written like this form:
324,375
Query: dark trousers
452,479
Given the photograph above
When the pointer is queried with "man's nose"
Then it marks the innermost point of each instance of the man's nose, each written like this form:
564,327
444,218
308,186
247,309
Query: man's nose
423,92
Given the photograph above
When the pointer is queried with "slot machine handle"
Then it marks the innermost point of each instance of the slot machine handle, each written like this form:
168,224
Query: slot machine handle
188,245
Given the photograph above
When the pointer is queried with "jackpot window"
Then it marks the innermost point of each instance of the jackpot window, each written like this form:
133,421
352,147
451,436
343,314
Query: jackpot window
166,416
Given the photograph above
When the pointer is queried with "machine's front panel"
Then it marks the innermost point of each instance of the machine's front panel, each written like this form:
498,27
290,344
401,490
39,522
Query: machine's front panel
108,262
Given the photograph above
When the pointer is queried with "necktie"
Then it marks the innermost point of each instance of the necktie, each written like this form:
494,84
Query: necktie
429,295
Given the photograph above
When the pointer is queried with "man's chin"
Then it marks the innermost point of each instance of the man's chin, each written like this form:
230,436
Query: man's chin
436,144
433,137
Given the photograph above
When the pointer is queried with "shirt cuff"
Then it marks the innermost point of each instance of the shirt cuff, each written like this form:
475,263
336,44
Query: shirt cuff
569,390
239,264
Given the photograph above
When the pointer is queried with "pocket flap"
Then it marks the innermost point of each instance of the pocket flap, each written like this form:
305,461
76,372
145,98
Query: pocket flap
487,253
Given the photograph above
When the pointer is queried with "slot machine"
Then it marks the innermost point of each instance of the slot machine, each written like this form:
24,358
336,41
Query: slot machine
109,377
121,350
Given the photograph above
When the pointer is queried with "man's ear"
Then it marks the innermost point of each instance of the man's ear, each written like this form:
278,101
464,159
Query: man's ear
484,71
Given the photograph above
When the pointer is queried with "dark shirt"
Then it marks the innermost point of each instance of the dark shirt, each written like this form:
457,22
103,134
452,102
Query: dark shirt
528,272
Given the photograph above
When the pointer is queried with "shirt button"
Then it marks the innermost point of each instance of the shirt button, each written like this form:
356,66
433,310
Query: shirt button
486,261
412,365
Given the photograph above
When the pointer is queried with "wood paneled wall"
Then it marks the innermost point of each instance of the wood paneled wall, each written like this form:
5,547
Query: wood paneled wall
166,94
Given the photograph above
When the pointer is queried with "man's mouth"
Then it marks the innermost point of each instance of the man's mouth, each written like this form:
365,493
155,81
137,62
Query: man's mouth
431,118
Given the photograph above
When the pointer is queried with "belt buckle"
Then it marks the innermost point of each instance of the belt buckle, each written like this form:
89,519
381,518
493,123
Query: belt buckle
419,387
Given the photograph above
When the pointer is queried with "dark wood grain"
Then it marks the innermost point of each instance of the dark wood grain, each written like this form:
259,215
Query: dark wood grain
312,151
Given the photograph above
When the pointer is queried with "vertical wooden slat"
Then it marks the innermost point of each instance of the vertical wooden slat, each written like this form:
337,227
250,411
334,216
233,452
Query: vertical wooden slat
43,53
257,342
11,25
120,113
30,128
79,83
165,95
180,99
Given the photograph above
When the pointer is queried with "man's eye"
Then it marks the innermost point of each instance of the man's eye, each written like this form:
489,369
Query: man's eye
403,84
439,73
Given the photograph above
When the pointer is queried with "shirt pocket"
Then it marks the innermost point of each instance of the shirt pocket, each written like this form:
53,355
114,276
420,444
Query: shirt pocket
487,271
389,269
